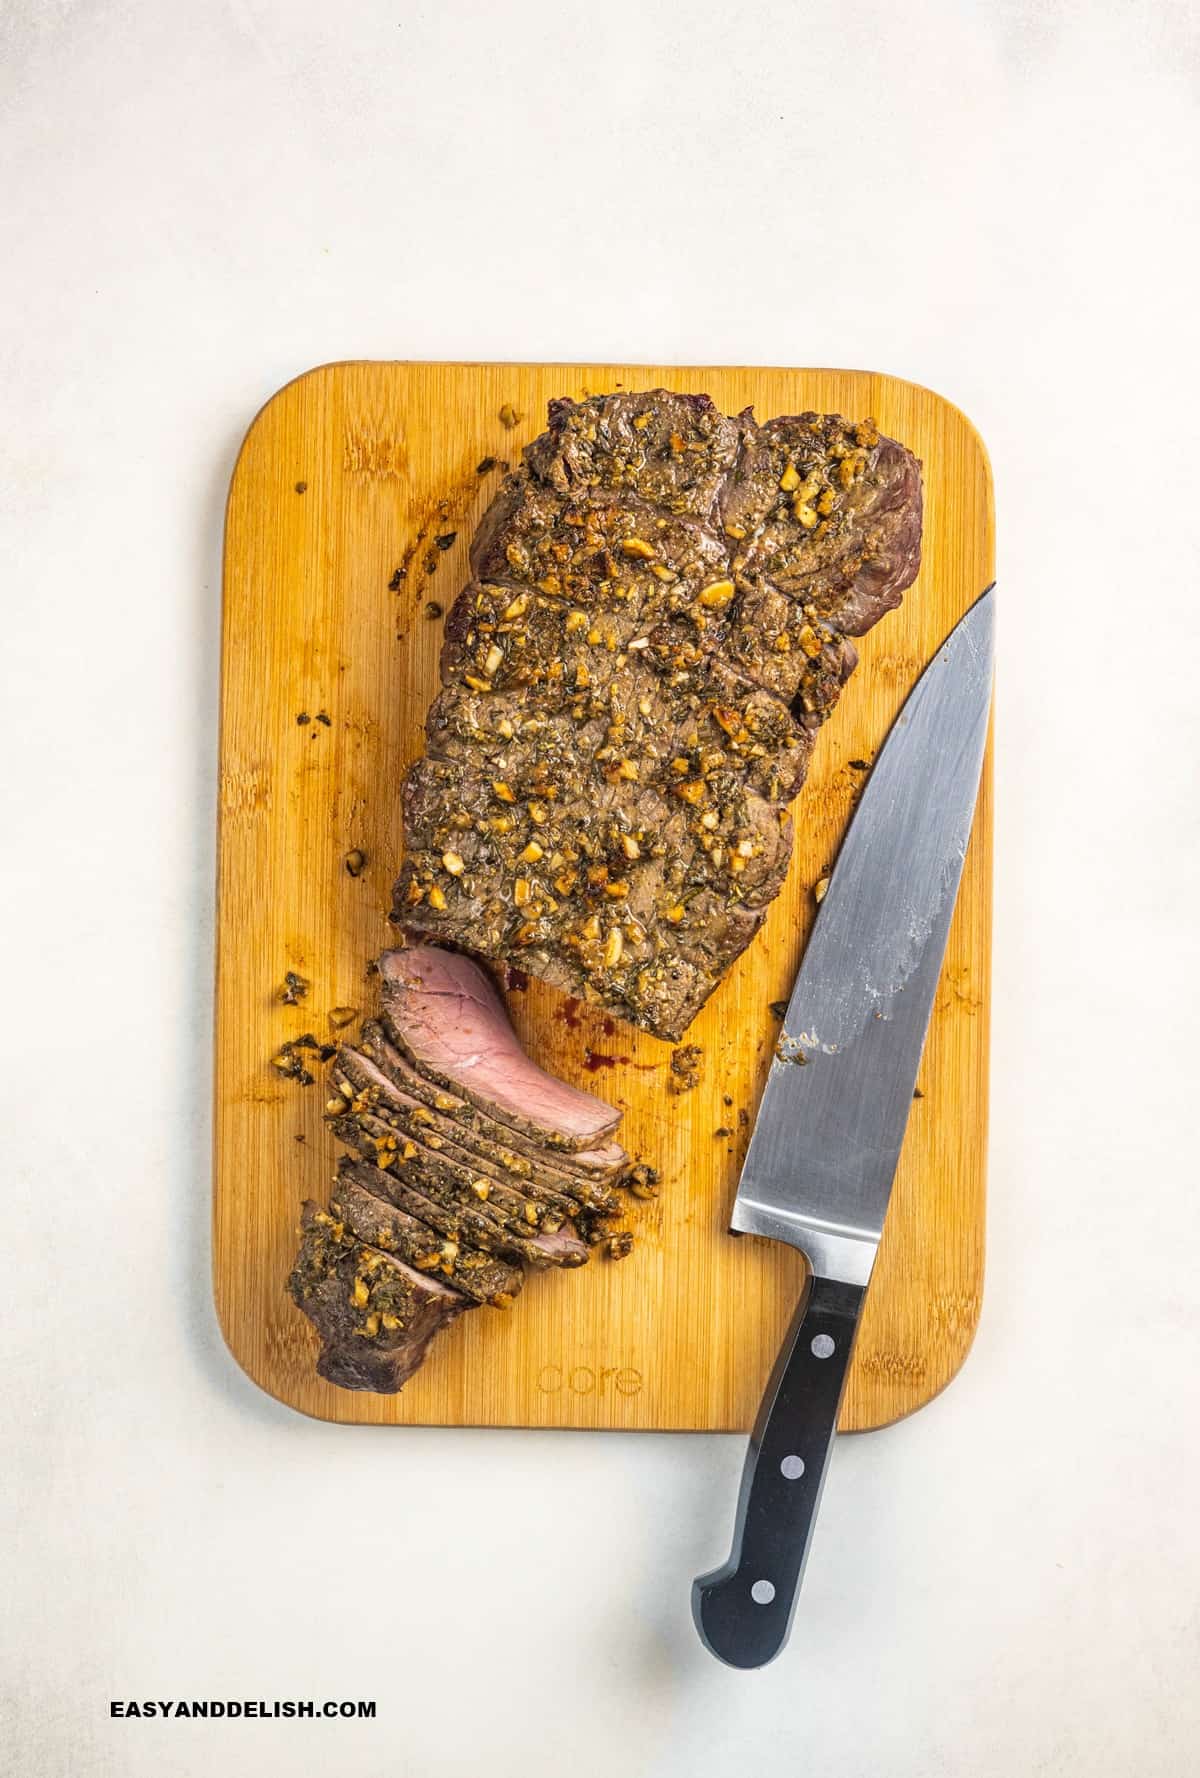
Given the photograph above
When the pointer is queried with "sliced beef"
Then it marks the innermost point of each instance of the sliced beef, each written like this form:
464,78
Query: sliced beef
601,1165
658,623
509,1187
498,1220
357,1204
390,1140
450,1123
375,1314
444,1013
440,1204
457,1220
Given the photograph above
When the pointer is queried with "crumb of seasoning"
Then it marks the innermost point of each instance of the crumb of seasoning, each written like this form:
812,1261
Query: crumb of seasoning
356,862
432,608
397,580
819,888
685,1068
860,765
487,466
300,1137
289,1060
340,1016
778,1009
596,1229
743,1118
641,1181
372,967
301,487
446,540
509,417
726,1099
917,1093
303,719
323,716
291,1067
620,1245
294,988
723,1131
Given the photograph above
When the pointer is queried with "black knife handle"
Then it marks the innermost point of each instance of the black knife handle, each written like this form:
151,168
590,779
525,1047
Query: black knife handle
743,1611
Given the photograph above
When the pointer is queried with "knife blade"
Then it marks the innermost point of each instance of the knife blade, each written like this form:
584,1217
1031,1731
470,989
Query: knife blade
822,1157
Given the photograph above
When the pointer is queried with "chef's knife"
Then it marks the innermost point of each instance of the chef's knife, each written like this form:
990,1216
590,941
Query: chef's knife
818,1172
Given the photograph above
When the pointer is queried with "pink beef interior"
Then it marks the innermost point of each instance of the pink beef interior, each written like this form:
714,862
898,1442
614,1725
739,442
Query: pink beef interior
455,1024
605,1162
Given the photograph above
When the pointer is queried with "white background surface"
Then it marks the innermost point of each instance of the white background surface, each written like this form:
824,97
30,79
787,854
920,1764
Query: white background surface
199,201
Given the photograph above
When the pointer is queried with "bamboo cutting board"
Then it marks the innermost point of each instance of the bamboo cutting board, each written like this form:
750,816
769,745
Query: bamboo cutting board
353,501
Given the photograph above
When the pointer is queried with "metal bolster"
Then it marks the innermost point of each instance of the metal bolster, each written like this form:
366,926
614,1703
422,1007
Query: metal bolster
832,1250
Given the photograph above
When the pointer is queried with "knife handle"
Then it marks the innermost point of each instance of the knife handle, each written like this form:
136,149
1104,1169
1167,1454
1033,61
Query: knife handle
743,1611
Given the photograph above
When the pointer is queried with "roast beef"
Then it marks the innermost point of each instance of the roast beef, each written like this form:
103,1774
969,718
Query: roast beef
658,622
492,1217
443,1012
377,1091
595,1166
385,1135
375,1314
453,1218
358,1205
446,1204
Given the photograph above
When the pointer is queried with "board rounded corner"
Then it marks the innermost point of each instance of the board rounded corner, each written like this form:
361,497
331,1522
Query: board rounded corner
264,1380
266,410
960,416
918,1403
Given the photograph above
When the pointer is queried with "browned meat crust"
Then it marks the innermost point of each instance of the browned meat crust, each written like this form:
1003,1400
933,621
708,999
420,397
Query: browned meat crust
658,622
376,1315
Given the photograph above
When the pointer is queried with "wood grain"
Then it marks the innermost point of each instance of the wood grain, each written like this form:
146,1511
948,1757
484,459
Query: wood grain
348,474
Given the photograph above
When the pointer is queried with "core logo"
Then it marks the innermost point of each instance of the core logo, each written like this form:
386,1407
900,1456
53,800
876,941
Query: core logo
586,1379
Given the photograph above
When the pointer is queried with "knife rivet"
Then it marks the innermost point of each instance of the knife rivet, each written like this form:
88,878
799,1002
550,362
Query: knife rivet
762,1592
822,1346
792,1468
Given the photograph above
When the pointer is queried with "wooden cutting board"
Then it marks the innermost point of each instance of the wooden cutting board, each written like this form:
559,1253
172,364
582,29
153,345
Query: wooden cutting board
353,501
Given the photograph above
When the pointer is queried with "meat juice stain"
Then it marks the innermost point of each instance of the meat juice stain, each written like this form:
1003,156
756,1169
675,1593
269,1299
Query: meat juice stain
595,1060
568,1012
